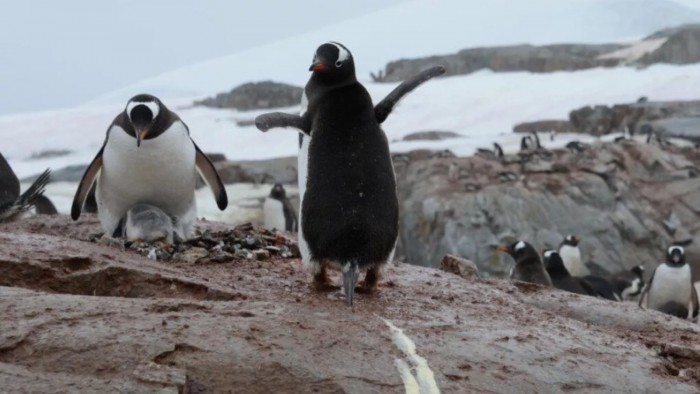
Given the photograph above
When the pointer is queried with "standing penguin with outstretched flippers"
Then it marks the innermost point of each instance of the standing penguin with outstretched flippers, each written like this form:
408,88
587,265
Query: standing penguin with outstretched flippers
349,208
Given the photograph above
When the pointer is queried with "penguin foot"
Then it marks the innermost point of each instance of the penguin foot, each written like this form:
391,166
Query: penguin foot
369,284
323,283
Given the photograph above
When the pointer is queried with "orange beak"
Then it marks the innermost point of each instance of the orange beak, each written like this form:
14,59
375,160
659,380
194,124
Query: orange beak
503,248
140,135
318,67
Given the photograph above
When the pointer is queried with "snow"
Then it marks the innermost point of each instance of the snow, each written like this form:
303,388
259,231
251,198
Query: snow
635,50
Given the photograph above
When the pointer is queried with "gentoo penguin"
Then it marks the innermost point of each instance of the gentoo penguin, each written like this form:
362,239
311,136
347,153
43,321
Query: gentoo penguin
561,278
670,288
603,287
278,210
629,283
527,144
496,152
44,206
12,203
147,223
570,253
576,146
349,207
528,264
148,157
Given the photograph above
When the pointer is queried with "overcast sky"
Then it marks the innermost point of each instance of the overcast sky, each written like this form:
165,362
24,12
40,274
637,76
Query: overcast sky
60,53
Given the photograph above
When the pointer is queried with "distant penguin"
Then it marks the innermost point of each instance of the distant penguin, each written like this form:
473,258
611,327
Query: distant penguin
278,210
12,203
528,264
147,223
527,144
603,287
561,278
576,146
571,254
148,157
670,289
629,283
496,152
44,206
349,207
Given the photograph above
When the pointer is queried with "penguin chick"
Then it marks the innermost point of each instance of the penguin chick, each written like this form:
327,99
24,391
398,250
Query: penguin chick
278,210
561,279
12,203
528,265
670,288
149,224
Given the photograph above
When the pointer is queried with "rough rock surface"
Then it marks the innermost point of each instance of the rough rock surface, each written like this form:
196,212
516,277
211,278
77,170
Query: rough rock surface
615,196
557,126
430,136
681,47
82,317
280,170
256,95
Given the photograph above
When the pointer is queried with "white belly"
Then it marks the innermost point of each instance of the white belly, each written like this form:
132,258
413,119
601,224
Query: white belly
274,214
302,173
571,256
670,285
160,172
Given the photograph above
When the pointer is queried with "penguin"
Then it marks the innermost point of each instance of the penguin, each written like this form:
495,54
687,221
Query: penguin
528,264
629,283
570,253
561,278
278,210
527,144
148,223
576,146
349,205
496,152
44,206
12,203
603,288
147,157
670,289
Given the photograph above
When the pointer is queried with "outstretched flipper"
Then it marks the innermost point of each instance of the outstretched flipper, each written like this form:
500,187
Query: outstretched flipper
384,108
85,184
211,176
272,120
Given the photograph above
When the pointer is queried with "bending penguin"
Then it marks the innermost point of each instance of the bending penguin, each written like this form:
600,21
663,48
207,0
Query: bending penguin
670,289
349,206
528,264
148,157
278,210
12,203
571,254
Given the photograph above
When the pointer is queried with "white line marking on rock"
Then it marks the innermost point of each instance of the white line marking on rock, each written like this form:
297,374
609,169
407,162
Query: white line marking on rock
424,380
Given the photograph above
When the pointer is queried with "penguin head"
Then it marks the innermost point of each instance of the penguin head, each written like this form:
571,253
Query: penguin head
333,64
675,256
142,112
552,259
571,240
278,192
638,270
519,250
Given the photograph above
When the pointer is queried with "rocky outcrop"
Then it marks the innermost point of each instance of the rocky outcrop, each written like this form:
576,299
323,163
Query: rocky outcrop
682,46
280,170
84,317
615,196
539,59
256,95
557,126
430,136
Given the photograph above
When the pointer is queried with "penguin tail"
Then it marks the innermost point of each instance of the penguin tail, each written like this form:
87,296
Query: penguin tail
351,272
27,200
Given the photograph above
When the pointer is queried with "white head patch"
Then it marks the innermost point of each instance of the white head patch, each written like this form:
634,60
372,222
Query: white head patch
152,105
520,245
548,254
343,53
678,248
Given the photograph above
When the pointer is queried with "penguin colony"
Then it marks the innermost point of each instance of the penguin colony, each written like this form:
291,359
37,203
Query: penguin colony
141,184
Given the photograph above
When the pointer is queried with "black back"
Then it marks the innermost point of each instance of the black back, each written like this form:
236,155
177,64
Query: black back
528,264
9,185
603,287
350,207
561,278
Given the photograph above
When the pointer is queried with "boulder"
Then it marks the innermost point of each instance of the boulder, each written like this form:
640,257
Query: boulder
459,266
430,136
557,126
682,46
83,317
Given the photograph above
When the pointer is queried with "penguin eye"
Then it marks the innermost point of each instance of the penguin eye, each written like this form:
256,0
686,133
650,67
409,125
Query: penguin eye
339,64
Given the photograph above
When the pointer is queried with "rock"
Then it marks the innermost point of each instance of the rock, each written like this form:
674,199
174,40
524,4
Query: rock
614,196
51,153
280,170
430,136
540,59
81,317
685,128
459,266
557,126
682,46
256,95
72,173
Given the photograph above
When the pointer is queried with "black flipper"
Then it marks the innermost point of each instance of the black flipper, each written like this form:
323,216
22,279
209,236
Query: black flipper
646,289
290,216
272,120
85,184
211,176
44,206
9,185
384,108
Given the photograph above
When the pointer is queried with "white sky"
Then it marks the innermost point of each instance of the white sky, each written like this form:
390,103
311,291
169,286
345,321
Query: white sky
60,53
